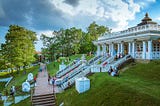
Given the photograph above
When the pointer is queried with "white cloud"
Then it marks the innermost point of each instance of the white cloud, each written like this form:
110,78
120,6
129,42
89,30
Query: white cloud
45,32
2,13
39,43
117,12
145,3
158,18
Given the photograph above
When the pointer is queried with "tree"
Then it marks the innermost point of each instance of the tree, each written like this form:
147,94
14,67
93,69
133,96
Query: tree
49,46
66,42
94,31
19,49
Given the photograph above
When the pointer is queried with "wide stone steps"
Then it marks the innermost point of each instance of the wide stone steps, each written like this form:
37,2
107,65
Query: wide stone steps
44,100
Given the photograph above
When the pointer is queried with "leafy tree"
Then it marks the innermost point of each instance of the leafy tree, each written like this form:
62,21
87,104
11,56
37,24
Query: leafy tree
19,49
70,41
94,31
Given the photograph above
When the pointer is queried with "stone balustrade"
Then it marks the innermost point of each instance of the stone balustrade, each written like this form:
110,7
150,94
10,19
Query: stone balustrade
129,31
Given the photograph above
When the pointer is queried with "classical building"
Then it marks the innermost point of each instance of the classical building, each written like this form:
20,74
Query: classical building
141,41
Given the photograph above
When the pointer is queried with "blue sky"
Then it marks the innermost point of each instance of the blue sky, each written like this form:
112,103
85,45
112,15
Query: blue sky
44,16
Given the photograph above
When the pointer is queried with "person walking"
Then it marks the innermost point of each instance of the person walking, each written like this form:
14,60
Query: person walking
49,78
35,78
11,91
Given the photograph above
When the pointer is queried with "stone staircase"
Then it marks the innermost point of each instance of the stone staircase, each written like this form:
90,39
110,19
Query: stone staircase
81,70
44,100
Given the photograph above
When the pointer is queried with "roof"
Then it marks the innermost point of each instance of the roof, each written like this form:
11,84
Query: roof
146,20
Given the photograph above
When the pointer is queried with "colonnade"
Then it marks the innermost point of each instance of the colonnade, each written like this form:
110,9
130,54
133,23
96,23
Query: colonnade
110,49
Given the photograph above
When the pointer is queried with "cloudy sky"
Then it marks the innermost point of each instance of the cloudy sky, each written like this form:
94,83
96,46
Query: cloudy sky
44,16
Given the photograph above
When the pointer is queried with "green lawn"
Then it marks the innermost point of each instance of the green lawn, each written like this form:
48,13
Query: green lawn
26,102
52,69
137,86
18,79
2,84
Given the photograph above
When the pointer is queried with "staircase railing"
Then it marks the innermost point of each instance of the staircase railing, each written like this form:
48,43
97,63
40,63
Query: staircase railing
75,75
68,68
118,62
91,61
108,61
69,75
122,60
104,59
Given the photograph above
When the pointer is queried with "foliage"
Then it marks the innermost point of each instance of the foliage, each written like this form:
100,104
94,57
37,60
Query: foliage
18,49
66,42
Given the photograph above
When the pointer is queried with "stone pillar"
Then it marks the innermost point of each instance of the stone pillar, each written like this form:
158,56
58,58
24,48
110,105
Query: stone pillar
118,49
104,49
112,49
144,50
150,50
129,48
122,48
107,50
98,50
133,49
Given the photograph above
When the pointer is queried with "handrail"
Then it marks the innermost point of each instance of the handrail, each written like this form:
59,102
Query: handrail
77,70
120,61
82,72
94,59
68,69
68,66
104,59
8,81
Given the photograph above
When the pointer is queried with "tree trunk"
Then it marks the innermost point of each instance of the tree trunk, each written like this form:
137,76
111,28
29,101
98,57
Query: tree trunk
24,70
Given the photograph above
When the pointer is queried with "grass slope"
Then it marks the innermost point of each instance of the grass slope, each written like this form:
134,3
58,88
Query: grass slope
18,79
52,69
2,84
137,86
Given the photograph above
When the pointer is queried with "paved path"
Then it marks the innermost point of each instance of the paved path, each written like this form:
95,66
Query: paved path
42,86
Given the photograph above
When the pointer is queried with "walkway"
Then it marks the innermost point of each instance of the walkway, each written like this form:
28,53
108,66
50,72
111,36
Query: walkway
43,92
42,86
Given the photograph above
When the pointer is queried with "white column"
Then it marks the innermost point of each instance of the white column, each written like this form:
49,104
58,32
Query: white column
107,49
118,49
129,48
104,49
133,49
122,48
144,50
112,49
98,50
150,50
